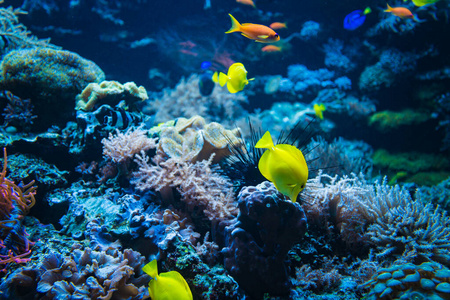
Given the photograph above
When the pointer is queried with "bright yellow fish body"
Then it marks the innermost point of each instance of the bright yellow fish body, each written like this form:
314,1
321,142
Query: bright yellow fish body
236,79
284,165
166,286
319,109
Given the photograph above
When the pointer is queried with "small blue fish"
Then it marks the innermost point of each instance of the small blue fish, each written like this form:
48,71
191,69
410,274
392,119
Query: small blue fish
205,65
355,19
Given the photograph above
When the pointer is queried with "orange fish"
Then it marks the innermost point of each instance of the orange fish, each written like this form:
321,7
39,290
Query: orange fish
399,11
277,25
246,2
259,33
271,48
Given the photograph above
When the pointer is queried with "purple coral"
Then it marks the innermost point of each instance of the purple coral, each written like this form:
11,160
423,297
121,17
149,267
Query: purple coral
257,243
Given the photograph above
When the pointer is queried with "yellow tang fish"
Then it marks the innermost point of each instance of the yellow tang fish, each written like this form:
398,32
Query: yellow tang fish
236,79
284,165
166,286
319,109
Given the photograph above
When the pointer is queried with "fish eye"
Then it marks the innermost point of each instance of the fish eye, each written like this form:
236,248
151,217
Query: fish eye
303,186
276,35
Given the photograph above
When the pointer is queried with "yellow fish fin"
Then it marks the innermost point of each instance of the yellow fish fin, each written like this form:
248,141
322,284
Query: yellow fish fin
294,193
251,79
389,9
264,166
263,36
223,78
247,36
235,26
151,268
265,142
215,77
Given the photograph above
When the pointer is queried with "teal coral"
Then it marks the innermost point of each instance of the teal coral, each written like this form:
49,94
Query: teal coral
428,280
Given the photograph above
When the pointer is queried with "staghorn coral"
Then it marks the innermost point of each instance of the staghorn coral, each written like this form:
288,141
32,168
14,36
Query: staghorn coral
186,101
85,274
110,92
199,184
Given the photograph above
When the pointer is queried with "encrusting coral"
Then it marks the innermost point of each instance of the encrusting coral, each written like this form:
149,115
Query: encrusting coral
109,92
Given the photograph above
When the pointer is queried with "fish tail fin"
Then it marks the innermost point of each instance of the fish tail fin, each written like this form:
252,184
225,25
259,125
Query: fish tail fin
265,142
151,268
215,77
389,9
235,25
223,78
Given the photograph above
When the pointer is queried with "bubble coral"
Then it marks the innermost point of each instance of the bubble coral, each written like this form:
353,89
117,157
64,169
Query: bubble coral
428,280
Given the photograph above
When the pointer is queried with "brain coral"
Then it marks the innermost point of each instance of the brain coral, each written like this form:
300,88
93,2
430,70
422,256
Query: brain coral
197,140
50,78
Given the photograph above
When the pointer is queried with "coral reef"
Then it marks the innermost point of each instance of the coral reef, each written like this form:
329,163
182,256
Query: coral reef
258,241
50,78
186,101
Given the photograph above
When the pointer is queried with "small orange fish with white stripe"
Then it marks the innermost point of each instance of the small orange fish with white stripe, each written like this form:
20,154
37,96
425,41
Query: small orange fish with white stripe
257,32
278,25
401,12
271,49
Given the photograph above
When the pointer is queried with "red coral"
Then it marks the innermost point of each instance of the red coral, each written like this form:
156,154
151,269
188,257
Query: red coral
15,203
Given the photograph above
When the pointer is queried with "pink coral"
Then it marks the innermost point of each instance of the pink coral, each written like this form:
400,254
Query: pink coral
198,183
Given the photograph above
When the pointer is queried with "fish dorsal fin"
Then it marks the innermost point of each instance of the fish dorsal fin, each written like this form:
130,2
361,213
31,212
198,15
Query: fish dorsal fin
151,268
293,151
265,142
223,78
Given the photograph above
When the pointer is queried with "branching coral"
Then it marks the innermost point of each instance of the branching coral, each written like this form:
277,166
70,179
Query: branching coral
122,147
15,35
15,202
198,183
